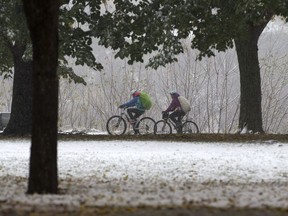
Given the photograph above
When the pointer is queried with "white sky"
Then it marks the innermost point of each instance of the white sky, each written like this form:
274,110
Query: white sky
153,173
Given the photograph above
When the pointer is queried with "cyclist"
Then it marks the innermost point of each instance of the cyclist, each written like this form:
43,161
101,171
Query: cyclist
176,109
135,107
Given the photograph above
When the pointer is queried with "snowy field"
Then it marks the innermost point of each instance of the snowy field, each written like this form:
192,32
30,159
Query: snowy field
98,173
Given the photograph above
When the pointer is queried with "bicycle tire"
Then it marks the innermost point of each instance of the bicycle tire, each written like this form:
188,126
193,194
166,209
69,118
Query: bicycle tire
145,126
116,125
190,127
162,127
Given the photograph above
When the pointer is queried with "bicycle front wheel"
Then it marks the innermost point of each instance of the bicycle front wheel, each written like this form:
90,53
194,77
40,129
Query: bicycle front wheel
145,126
190,127
162,127
116,125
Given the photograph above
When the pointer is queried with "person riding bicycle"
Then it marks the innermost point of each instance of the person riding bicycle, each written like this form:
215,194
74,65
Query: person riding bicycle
135,107
176,109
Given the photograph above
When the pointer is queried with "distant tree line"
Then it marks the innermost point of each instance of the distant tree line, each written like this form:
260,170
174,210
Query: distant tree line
211,85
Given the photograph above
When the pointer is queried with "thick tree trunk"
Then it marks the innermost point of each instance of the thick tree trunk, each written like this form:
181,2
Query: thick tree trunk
250,80
20,122
42,19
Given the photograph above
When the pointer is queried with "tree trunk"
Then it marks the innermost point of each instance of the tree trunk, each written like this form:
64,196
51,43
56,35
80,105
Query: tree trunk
250,79
42,19
20,122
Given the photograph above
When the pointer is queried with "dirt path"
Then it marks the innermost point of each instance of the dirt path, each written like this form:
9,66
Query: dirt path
143,211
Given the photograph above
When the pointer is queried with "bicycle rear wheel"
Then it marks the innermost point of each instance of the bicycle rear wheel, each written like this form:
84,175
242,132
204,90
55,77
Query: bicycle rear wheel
145,126
116,125
162,127
190,127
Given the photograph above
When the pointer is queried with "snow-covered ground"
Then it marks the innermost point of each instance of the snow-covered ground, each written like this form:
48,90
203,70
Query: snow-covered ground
96,173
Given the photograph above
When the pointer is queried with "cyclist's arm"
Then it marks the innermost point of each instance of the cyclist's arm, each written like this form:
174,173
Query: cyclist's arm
172,106
130,103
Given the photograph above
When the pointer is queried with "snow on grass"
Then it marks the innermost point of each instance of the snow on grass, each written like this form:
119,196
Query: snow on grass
96,173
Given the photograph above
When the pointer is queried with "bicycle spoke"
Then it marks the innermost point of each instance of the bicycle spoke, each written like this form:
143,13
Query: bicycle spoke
145,126
162,127
190,127
116,125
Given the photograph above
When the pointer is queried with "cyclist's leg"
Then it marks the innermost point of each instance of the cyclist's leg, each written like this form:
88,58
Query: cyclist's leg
172,116
132,112
138,113
176,118
181,114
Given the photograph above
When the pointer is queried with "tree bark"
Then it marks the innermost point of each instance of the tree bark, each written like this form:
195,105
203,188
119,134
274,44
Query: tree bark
250,79
42,19
20,122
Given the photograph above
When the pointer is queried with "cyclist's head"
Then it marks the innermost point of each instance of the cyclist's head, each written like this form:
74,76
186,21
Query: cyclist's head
135,93
173,93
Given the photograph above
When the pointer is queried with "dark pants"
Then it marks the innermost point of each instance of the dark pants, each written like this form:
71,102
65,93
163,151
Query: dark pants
134,113
176,118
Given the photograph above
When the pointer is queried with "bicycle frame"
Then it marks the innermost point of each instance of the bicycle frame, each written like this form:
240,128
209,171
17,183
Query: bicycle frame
168,120
166,125
125,115
117,124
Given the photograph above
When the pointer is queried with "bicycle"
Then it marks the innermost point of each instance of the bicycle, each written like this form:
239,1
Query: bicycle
117,124
163,126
